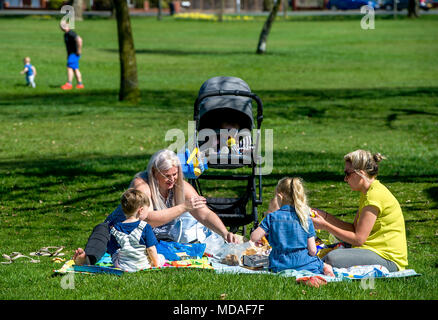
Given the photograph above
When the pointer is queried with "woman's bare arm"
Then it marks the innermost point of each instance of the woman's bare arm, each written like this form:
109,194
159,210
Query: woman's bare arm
332,220
159,217
207,217
356,233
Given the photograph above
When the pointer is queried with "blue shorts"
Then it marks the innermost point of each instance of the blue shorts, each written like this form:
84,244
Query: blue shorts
73,61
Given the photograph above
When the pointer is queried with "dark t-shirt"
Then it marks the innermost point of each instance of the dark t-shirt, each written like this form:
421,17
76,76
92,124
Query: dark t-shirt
70,42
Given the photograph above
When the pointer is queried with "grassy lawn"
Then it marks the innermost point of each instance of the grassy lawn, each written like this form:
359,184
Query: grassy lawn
328,88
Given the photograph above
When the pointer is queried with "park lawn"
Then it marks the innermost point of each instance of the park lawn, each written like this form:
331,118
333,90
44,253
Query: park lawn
328,88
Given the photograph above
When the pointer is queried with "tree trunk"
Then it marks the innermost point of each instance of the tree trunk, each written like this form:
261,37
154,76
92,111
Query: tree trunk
78,6
261,47
113,10
413,8
221,11
128,66
285,7
159,10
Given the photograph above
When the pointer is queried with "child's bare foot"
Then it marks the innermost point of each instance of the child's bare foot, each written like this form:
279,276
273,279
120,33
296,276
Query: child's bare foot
328,270
80,257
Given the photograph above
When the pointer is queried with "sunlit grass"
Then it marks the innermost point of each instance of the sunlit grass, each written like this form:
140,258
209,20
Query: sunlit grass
328,88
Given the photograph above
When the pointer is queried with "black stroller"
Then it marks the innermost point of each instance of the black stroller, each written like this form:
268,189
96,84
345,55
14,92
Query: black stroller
224,104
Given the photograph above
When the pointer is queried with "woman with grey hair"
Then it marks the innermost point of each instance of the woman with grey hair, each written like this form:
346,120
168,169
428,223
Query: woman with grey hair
177,213
377,234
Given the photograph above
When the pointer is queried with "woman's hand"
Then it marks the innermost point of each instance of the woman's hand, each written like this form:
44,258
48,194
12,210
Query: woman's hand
322,213
195,202
319,221
231,238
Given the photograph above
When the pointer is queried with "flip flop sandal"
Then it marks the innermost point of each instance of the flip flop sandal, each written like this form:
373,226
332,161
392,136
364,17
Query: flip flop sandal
17,255
46,252
7,258
58,260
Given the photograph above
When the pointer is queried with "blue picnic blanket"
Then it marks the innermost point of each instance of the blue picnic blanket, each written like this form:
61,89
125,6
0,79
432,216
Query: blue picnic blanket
169,250
172,251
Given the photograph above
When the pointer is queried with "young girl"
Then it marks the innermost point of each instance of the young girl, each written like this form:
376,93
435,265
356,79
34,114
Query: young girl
291,232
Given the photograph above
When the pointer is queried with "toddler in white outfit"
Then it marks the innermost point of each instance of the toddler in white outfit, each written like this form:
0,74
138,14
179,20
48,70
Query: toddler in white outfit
132,243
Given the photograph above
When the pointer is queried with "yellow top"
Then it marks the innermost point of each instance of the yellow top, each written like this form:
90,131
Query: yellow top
388,236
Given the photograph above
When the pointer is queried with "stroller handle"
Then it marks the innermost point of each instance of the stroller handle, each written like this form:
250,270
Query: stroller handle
230,93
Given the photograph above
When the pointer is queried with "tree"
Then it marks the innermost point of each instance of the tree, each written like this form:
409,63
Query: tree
159,10
221,11
413,8
261,47
78,5
129,90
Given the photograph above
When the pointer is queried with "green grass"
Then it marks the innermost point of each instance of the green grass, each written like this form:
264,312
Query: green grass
328,88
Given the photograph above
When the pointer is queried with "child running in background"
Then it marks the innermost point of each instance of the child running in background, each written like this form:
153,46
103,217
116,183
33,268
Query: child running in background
291,232
30,72
132,243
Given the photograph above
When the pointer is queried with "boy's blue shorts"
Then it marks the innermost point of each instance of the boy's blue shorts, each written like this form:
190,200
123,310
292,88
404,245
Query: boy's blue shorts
73,61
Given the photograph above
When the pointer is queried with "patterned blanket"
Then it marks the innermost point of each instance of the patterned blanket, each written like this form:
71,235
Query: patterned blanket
341,274
178,255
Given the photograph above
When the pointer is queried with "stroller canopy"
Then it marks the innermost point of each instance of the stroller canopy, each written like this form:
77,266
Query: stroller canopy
214,111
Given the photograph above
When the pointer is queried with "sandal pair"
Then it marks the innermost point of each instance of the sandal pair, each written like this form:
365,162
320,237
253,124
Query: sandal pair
43,252
16,255
48,252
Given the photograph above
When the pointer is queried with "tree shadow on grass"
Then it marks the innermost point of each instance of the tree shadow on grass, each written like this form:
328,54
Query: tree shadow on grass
393,116
200,52
432,192
91,178
181,98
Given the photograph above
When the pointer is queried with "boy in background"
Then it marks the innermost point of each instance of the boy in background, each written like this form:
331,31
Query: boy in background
73,44
30,72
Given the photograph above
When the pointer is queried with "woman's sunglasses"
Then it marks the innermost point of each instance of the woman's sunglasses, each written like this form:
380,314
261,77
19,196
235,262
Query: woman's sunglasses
348,173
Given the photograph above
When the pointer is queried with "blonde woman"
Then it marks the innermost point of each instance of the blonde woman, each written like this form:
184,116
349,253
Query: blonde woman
176,213
291,232
377,235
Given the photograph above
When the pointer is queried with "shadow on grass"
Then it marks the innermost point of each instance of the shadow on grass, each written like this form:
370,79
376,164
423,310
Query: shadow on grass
393,116
318,104
432,192
175,52
97,172
91,177
170,98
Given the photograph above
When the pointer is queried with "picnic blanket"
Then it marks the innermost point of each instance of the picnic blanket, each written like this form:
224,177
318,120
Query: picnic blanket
178,255
341,274
184,255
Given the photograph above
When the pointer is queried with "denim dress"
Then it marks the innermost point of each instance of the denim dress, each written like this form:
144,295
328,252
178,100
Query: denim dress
288,240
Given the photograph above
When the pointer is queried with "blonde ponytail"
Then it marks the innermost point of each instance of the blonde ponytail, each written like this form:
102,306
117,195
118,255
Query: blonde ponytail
300,202
293,192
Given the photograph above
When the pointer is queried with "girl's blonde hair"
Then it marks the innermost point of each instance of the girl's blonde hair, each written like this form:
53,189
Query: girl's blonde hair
293,192
161,161
364,160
